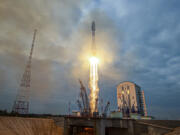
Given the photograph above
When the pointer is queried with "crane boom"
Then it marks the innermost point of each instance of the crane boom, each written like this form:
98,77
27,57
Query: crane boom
106,109
79,105
84,97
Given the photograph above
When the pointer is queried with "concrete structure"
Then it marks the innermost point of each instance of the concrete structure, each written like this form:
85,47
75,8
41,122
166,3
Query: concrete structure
66,125
114,126
130,99
76,113
116,114
95,126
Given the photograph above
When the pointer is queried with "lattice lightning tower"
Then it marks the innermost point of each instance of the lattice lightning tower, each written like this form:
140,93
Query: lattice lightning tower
21,104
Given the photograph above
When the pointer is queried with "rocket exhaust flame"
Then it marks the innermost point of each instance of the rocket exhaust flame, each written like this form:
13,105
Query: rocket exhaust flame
93,83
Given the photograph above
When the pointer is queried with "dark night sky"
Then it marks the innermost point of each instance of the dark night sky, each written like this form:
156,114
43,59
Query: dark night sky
136,41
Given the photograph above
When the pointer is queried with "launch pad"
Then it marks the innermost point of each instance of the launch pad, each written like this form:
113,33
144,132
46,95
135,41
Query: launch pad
95,126
114,126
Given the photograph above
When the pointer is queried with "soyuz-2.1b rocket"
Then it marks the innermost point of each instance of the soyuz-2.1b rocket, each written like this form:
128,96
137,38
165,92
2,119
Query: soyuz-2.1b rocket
93,46
93,81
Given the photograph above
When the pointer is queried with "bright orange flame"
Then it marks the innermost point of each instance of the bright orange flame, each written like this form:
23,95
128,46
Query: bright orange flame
93,83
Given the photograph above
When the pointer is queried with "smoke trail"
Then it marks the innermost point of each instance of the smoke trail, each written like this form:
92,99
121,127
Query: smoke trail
93,83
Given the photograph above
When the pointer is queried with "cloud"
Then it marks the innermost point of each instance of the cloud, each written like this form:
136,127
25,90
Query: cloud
136,41
54,21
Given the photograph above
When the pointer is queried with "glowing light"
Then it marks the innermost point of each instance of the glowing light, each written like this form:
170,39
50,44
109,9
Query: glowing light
94,60
93,83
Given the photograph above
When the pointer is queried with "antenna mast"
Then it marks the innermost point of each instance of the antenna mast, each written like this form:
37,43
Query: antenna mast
21,104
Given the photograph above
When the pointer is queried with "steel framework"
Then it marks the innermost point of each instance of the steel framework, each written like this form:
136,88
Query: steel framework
21,104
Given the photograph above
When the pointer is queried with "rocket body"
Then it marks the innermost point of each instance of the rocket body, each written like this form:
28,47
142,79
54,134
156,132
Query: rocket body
93,46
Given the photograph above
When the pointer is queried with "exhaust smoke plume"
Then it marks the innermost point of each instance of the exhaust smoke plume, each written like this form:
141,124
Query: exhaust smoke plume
93,83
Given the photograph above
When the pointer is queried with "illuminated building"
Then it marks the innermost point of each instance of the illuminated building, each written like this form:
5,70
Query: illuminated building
130,99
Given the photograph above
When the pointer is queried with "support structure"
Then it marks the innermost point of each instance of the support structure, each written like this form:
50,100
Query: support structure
21,104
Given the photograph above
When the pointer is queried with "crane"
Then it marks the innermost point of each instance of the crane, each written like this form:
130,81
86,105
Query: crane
79,105
84,98
106,109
